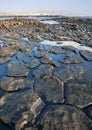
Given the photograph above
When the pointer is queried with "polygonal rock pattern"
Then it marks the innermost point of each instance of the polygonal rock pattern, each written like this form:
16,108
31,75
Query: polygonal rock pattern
69,72
63,118
10,84
78,94
20,107
72,59
50,88
87,55
42,71
16,69
3,60
32,63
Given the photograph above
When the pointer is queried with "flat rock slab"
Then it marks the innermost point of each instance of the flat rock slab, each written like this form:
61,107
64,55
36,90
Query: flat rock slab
10,84
39,54
50,88
72,59
42,71
63,118
57,50
33,63
69,72
48,60
24,55
70,48
19,108
87,55
16,69
44,48
3,60
78,94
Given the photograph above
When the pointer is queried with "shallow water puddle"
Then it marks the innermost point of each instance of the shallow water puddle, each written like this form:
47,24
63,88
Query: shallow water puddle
66,43
50,22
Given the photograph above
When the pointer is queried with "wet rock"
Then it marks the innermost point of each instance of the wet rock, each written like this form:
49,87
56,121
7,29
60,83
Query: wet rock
4,60
56,50
46,59
11,84
50,88
87,55
16,69
75,59
26,46
88,111
9,51
46,48
39,54
32,63
42,71
69,72
35,37
63,118
78,94
17,108
24,55
70,48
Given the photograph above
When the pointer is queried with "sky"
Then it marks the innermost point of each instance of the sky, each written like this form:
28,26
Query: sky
66,7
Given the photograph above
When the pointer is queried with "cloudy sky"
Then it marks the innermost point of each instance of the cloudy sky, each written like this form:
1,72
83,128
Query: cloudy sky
67,7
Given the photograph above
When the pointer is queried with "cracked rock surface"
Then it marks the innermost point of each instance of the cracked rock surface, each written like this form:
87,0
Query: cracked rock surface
45,84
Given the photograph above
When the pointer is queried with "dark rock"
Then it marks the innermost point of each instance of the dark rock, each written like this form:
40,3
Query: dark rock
68,73
16,69
39,54
43,47
24,55
20,108
78,94
70,48
50,88
63,118
72,59
11,84
32,63
87,55
42,71
56,50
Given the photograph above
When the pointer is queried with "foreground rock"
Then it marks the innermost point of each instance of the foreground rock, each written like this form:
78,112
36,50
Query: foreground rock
63,118
51,89
86,55
16,69
11,84
78,94
69,72
42,71
23,107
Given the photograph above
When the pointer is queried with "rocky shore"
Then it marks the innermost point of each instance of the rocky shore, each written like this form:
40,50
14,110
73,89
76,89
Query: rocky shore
45,74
